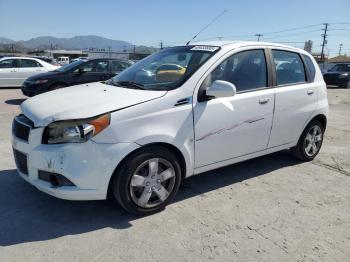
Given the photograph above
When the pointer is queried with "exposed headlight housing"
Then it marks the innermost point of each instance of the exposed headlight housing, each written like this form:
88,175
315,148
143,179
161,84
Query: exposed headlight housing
75,131
343,75
42,81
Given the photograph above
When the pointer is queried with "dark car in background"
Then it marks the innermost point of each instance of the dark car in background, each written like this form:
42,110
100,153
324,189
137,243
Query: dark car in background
79,72
338,75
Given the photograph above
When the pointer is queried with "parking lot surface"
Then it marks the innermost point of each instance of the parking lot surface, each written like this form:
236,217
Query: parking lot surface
272,208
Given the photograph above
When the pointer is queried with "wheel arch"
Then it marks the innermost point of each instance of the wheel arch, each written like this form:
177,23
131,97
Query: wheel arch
177,152
321,118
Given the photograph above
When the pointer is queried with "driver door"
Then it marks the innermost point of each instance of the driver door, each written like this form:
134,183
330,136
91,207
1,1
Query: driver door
229,127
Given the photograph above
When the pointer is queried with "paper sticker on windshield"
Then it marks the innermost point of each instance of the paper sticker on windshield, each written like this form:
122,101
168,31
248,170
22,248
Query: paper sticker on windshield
205,48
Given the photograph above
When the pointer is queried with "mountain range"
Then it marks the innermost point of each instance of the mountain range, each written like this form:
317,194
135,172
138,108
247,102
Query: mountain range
76,42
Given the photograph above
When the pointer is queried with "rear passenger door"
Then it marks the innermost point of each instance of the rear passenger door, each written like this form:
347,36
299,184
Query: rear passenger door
296,96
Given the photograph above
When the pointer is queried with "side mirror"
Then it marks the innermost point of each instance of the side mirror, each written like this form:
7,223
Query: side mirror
220,88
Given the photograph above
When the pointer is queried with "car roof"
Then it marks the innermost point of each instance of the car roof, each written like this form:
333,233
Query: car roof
18,57
237,44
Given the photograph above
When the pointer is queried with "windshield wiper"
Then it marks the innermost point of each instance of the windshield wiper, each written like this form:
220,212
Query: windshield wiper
129,84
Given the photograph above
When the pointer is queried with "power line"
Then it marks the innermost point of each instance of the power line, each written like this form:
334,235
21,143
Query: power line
292,29
295,34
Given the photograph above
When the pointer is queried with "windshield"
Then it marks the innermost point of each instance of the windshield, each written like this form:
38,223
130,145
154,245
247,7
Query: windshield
164,70
70,66
341,68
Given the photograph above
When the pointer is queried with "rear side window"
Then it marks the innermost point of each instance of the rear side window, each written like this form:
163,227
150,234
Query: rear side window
289,67
119,66
94,66
310,67
29,63
246,70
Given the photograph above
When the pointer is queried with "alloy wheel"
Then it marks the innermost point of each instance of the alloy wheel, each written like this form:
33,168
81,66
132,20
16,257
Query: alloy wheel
313,141
152,182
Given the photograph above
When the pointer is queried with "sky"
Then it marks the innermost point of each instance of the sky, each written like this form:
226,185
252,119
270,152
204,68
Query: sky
176,22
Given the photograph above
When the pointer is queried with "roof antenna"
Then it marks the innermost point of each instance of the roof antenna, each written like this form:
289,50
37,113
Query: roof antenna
211,22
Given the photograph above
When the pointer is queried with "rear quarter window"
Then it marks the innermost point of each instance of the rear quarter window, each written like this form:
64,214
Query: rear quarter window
310,67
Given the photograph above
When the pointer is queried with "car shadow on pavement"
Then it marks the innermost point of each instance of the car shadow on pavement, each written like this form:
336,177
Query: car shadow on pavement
15,101
28,215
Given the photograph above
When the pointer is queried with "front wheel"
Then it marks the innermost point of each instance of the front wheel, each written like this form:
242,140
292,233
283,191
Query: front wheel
310,141
147,181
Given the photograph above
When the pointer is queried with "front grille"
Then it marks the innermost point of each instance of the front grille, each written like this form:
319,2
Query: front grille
21,161
21,127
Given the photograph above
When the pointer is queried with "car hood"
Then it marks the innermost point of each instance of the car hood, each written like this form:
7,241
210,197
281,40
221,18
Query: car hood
83,101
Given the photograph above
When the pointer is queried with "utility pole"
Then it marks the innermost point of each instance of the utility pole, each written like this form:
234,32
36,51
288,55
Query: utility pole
258,36
161,44
134,49
324,42
340,48
109,51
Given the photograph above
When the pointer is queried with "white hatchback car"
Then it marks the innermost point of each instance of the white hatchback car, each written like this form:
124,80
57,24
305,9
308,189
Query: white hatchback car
138,135
14,70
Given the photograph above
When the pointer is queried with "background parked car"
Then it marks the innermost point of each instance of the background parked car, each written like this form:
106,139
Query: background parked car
77,59
14,70
338,75
79,72
63,60
49,60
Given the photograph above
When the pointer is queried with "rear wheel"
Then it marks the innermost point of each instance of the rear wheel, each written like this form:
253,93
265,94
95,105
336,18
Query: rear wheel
348,85
310,141
147,181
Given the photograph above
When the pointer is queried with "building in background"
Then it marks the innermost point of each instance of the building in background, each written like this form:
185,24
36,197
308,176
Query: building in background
90,53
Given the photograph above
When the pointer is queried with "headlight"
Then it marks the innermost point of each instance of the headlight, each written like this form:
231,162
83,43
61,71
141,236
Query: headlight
343,75
43,81
75,131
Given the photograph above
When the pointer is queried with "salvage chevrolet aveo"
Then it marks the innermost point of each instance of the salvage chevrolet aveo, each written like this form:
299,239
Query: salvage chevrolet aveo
179,112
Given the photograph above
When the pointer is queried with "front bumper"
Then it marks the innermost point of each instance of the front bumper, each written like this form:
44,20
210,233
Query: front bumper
89,166
29,89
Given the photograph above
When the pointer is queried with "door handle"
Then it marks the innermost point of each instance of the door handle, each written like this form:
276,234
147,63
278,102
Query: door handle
263,101
310,92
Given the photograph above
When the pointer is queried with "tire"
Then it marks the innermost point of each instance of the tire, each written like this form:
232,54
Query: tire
348,85
147,180
310,141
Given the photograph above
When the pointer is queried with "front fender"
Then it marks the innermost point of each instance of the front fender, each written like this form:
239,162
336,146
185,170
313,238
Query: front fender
186,149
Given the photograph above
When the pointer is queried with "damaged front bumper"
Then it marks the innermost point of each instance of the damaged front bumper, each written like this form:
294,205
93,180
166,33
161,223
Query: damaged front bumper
85,168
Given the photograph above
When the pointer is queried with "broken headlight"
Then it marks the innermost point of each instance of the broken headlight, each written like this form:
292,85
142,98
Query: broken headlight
75,131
